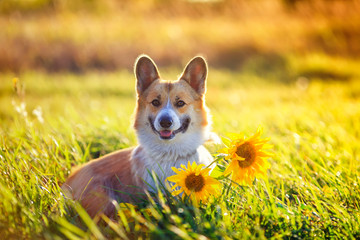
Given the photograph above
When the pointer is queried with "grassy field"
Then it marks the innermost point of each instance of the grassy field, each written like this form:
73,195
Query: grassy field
52,122
67,94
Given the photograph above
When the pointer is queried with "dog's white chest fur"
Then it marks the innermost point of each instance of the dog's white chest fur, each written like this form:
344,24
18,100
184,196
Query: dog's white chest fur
149,164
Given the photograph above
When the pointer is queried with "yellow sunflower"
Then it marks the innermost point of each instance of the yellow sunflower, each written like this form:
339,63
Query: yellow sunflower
194,181
247,157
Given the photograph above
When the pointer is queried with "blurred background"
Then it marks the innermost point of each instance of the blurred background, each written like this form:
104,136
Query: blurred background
282,39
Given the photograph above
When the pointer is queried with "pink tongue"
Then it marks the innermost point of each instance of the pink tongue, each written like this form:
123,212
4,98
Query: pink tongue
165,133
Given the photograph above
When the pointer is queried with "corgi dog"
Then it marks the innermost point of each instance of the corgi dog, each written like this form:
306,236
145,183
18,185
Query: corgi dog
171,123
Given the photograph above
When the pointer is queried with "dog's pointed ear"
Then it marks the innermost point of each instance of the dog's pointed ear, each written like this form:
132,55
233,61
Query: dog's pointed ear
195,74
146,72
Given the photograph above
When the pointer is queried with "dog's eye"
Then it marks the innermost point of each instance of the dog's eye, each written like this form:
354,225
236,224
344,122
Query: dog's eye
155,103
180,103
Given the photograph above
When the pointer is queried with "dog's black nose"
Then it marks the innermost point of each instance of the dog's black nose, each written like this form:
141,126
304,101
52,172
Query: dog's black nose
166,121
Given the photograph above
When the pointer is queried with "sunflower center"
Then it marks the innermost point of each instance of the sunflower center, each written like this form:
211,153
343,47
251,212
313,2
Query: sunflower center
194,182
248,152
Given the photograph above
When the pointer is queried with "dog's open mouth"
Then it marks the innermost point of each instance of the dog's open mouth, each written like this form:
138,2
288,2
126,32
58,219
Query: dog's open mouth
165,133
168,134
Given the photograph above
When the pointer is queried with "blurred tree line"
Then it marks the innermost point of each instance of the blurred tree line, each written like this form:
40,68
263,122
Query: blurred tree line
259,36
179,6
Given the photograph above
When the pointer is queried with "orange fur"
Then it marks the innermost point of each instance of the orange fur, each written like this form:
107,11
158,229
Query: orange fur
100,181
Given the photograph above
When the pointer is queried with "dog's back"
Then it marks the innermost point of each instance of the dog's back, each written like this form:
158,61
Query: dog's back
103,180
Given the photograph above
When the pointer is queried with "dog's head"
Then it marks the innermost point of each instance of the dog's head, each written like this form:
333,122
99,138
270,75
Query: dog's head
171,112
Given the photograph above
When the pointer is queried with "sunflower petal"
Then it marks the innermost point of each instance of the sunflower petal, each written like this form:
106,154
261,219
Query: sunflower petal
173,178
174,187
177,192
176,170
223,150
205,171
189,166
230,167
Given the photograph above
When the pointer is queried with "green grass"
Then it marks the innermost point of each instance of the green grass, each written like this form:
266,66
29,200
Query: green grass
312,190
